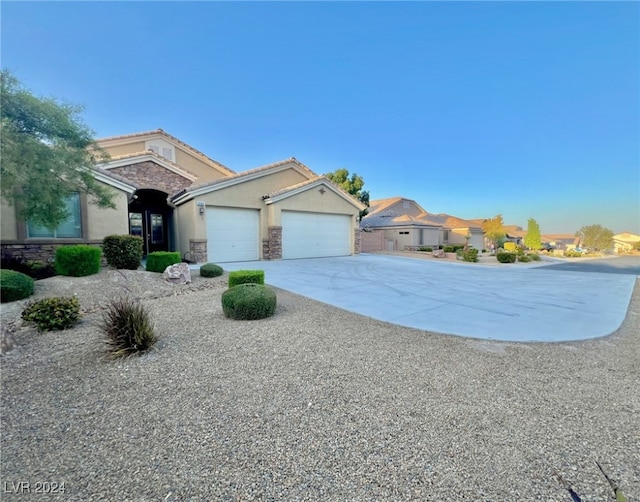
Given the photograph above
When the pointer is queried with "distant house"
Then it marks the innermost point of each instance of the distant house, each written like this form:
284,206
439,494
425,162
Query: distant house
398,223
625,242
178,199
561,241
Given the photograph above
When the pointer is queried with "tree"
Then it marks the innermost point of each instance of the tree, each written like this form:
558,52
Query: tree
494,230
47,153
353,185
595,237
532,239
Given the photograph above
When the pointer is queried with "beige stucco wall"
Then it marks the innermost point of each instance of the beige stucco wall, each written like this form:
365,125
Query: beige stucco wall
189,224
201,169
103,222
411,210
126,149
8,229
457,236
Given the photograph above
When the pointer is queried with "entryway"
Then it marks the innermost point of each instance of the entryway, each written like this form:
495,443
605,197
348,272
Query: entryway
151,218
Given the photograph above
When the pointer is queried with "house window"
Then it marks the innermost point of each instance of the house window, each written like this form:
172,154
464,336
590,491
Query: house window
445,235
68,229
403,233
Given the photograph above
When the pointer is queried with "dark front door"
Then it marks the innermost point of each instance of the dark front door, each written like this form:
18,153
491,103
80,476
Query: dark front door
149,218
151,225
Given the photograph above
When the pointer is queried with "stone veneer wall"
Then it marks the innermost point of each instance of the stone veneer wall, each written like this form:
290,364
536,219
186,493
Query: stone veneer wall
357,241
272,246
150,175
198,250
41,252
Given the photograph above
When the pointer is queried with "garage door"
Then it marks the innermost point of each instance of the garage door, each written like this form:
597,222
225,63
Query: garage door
312,235
232,234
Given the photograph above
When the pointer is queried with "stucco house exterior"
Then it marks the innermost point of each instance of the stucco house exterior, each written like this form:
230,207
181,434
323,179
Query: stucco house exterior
624,242
398,223
176,198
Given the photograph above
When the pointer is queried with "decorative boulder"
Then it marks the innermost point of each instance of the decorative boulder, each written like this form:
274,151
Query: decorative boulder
439,253
177,274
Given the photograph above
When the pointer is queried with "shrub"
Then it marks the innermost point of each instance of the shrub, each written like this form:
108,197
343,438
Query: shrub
78,261
14,286
211,270
128,328
50,314
524,258
510,246
425,248
123,251
506,257
470,254
534,256
448,249
249,301
246,277
158,261
570,253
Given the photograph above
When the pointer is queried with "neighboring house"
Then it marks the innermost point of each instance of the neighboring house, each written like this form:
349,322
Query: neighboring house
515,234
398,223
177,198
625,242
561,241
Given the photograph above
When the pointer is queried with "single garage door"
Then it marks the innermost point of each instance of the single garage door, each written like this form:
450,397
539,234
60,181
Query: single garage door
232,234
313,235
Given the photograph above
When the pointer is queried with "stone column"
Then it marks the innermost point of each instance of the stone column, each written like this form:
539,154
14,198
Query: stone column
198,250
274,243
357,236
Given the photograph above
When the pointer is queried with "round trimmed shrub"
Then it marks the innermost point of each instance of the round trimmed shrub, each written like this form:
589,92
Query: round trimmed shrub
14,286
123,251
249,301
246,277
78,261
210,270
158,261
50,314
524,258
534,256
505,257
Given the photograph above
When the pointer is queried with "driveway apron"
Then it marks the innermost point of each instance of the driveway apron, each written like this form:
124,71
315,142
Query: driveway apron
516,303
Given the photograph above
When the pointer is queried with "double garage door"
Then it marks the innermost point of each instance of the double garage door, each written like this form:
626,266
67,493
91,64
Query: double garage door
234,234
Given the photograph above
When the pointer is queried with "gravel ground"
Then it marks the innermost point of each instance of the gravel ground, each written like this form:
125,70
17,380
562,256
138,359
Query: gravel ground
314,403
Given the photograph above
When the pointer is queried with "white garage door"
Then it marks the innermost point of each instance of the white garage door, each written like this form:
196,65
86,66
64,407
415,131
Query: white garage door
232,234
313,235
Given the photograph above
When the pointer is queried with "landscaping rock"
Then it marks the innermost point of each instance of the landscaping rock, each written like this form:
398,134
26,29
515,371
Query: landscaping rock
177,274
439,253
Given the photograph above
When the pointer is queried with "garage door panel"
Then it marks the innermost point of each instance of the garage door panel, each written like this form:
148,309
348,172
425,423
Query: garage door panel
232,234
313,235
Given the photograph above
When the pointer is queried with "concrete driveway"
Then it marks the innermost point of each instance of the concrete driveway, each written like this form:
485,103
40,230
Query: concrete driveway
509,303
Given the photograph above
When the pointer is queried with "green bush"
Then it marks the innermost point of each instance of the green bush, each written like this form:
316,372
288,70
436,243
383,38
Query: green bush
506,257
128,328
246,277
158,261
534,256
33,268
572,254
123,251
211,270
524,258
14,286
249,301
452,248
50,314
425,248
470,254
78,261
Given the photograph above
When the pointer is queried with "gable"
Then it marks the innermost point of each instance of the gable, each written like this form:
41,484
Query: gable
397,205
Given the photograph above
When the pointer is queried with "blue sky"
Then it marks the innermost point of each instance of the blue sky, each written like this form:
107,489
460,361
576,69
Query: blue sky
529,110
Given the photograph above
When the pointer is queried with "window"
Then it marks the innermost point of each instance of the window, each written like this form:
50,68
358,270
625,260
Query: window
68,229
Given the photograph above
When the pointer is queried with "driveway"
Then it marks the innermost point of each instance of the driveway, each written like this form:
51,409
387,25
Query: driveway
512,303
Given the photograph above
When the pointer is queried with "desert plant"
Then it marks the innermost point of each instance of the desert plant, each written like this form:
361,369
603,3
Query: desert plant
128,328
211,270
506,257
78,261
570,253
510,246
524,258
123,251
158,261
246,277
425,248
14,286
470,254
50,314
249,301
534,256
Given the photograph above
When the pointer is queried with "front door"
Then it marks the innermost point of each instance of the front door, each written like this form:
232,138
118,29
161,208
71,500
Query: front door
151,225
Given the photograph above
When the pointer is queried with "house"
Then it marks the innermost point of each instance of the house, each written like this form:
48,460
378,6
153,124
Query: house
176,198
398,223
515,234
625,242
561,241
